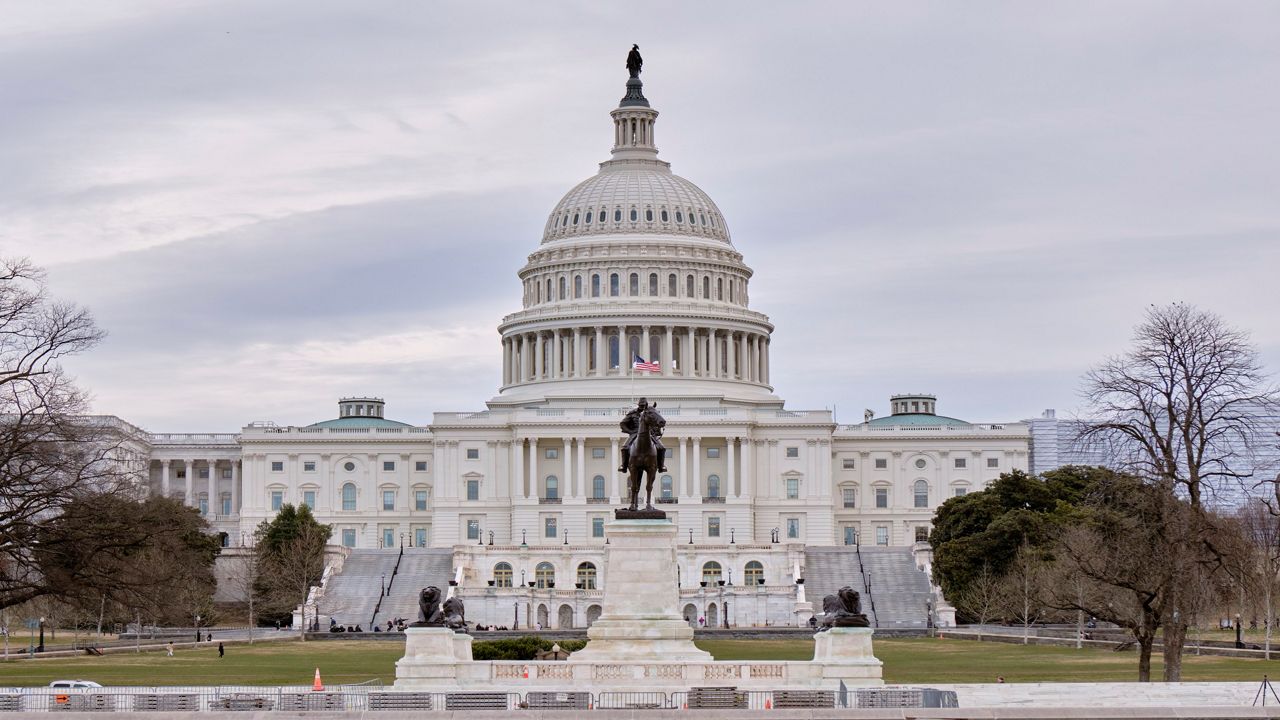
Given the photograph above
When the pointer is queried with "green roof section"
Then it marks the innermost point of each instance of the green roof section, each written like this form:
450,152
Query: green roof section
917,420
359,422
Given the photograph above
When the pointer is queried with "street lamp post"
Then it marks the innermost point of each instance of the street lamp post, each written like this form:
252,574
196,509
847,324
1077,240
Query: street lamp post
40,647
197,629
491,537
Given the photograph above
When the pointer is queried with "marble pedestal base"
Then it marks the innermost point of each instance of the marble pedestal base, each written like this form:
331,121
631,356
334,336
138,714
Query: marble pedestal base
846,654
432,658
640,619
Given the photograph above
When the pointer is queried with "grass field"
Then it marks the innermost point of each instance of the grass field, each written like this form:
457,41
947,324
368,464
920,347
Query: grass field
914,660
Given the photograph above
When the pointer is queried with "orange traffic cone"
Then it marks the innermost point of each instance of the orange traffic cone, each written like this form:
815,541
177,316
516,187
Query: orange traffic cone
318,685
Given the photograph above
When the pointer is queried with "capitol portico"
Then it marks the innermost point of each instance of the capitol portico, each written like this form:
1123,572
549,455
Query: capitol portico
633,261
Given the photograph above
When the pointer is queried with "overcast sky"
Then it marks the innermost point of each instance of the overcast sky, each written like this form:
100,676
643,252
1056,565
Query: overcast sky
269,205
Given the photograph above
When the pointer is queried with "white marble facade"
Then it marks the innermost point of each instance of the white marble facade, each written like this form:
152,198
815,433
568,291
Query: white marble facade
633,261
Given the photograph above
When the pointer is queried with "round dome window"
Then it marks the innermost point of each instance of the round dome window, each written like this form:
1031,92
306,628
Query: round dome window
921,463
349,467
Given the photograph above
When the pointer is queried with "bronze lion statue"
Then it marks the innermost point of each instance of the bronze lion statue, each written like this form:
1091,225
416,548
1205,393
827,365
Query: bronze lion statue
429,613
455,614
844,609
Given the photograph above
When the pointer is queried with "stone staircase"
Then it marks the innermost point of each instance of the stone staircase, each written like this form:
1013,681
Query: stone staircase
899,592
352,594
419,568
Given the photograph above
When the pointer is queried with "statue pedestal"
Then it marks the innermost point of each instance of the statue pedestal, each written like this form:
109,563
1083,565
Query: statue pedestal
845,654
640,619
432,656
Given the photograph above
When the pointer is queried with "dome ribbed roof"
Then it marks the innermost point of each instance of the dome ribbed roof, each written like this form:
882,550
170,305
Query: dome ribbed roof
631,197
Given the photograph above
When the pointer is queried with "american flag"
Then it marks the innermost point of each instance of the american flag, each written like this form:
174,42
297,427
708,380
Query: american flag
639,363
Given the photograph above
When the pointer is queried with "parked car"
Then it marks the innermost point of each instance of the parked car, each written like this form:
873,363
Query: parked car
63,684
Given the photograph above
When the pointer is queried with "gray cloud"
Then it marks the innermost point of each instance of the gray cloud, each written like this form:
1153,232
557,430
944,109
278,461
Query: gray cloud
271,205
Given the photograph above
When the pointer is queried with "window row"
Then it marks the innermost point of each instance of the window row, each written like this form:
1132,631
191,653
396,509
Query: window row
586,576
421,497
350,466
920,463
584,218
577,286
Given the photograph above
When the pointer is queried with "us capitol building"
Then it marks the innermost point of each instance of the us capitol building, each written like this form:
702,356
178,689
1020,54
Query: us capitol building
634,261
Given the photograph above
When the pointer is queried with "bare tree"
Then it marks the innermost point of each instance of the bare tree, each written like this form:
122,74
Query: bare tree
1023,587
289,571
243,573
1259,555
982,599
51,454
1185,406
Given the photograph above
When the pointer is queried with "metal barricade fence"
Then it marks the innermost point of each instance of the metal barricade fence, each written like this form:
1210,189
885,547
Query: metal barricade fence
636,701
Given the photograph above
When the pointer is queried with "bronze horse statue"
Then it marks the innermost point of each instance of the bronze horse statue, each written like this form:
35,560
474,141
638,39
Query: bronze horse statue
643,461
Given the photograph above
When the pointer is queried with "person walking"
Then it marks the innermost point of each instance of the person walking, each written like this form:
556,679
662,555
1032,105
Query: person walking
170,647
221,650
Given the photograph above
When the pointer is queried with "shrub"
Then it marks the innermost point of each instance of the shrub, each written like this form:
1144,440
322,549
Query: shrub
521,648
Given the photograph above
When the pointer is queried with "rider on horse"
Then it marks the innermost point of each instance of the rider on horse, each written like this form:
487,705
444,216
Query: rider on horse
631,426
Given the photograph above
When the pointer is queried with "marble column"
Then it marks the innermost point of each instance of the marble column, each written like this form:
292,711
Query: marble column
578,354
686,362
569,485
235,488
517,468
191,469
557,355
602,352
538,364
683,487
715,353
582,467
696,490
731,472
615,461
211,508
534,489
668,357
164,477
644,343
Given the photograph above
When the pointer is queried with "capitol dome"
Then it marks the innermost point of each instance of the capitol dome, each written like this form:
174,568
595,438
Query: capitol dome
635,287
636,197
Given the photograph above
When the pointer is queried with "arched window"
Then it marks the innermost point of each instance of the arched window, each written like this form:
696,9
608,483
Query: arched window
577,286
563,288
653,284
550,293
753,574
553,487
706,288
613,284
679,216
731,284
597,487
648,214
349,496
544,575
719,288
713,486
688,286
588,218
539,292
921,494
665,217
671,285
502,575
575,218
633,345
613,351
587,576
634,215
617,215
633,286
666,487
711,572
595,286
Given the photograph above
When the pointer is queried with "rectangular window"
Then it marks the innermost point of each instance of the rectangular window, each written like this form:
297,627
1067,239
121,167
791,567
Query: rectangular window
713,452
204,506
473,489
551,454
922,534
277,466
348,537
420,537
226,504
993,462
420,466
419,499
713,527
388,538
277,499
204,473
793,528
549,529
226,473
388,466
882,497
473,453
597,453
793,452
473,529
181,474
882,535
882,464
309,498
849,496
959,492
597,527
793,488
847,464
961,463
309,466
388,499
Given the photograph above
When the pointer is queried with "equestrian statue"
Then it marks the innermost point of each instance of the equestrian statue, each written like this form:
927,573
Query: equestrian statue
642,455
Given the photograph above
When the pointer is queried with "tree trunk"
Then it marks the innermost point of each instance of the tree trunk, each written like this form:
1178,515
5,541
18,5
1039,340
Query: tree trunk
1266,624
1144,658
1175,636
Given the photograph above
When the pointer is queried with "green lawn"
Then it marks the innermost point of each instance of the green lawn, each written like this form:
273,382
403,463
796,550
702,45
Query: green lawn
914,660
